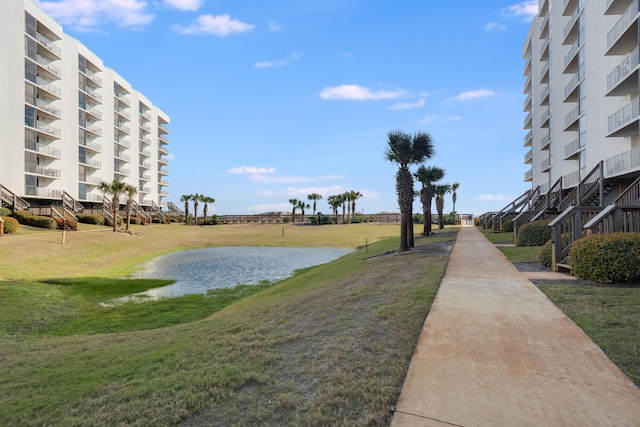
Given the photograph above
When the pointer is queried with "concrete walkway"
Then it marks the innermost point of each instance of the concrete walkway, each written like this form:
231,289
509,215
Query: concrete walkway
495,351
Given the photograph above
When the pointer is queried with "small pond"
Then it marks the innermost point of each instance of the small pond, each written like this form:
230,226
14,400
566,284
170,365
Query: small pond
199,270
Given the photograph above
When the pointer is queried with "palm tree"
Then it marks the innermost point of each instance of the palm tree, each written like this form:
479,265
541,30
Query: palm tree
114,189
345,204
294,202
427,176
440,191
196,199
335,202
302,205
130,191
206,200
186,198
454,196
406,150
315,197
355,195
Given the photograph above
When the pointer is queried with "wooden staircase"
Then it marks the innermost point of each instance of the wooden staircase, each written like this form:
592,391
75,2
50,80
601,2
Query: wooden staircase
157,211
11,200
174,211
65,218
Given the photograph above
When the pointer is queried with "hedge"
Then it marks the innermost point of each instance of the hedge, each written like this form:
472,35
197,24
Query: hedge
607,258
10,224
91,219
27,218
535,233
5,212
545,254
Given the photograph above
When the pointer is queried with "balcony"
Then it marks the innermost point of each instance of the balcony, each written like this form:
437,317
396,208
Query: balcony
43,150
93,76
123,113
43,192
544,118
122,157
545,142
544,74
571,29
571,89
544,51
121,171
163,151
528,175
146,177
122,142
624,78
546,165
47,129
47,64
163,140
571,119
163,161
145,165
163,171
91,146
544,97
571,180
544,27
528,104
570,6
47,107
573,148
528,120
624,35
162,128
623,163
93,94
527,67
96,164
146,128
49,44
163,182
144,190
122,128
51,89
571,59
145,153
123,99
528,138
528,157
146,115
146,140
92,129
35,169
97,115
625,121
617,7
90,180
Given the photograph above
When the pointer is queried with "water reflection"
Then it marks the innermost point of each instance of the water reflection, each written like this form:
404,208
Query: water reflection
199,270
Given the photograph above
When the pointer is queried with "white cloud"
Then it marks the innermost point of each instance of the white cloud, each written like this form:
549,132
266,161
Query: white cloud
452,118
278,63
266,179
277,207
493,198
527,9
482,93
274,26
221,25
429,119
407,105
359,93
184,4
494,26
434,117
85,15
250,170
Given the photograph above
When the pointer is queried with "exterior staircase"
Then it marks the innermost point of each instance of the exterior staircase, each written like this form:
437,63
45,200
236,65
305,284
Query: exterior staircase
174,211
157,211
11,200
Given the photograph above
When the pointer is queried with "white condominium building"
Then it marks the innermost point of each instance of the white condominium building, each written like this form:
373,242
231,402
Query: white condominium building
68,122
581,70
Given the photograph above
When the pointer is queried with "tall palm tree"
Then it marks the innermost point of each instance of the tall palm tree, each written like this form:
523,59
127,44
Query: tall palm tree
335,202
302,205
454,196
406,150
294,202
428,176
206,200
130,191
315,197
186,198
114,189
196,199
355,195
440,191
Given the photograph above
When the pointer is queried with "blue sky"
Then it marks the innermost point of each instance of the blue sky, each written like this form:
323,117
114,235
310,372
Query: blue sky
276,99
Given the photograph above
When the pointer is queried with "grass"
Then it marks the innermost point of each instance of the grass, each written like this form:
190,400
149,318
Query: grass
329,346
504,238
521,254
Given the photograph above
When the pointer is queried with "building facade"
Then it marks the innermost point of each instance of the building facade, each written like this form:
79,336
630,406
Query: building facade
68,122
581,87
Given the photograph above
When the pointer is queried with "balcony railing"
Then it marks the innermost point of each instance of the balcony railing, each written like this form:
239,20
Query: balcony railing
49,44
123,113
163,140
121,171
122,142
93,163
125,157
570,118
527,120
95,112
123,99
624,116
528,156
48,129
92,146
48,64
92,93
146,177
164,151
545,141
623,70
163,128
146,115
41,170
92,75
163,182
145,153
163,193
123,128
42,149
571,180
48,107
43,192
528,175
93,128
44,84
623,163
573,147
623,24
546,164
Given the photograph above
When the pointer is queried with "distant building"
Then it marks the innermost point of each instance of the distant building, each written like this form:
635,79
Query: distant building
67,122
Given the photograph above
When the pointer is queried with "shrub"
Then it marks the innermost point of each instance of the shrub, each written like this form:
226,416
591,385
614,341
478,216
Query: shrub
418,219
5,212
10,224
23,217
156,220
134,220
535,233
544,255
91,219
507,226
607,258
358,219
43,222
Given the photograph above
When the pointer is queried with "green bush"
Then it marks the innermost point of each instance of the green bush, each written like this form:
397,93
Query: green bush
23,217
535,233
358,219
134,220
607,258
321,219
10,224
91,219
544,255
507,226
43,222
418,219
5,212
156,220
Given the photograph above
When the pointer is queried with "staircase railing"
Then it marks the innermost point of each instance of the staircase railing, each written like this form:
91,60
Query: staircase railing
593,182
622,216
13,200
107,213
158,212
566,228
66,220
510,211
140,213
71,203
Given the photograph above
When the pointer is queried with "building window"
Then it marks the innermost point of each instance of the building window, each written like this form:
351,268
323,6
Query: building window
30,117
30,71
30,25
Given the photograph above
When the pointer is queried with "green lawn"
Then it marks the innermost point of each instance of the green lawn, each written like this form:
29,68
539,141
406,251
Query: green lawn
329,346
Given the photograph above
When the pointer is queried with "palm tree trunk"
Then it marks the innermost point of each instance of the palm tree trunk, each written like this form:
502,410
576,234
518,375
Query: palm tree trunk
404,245
410,234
